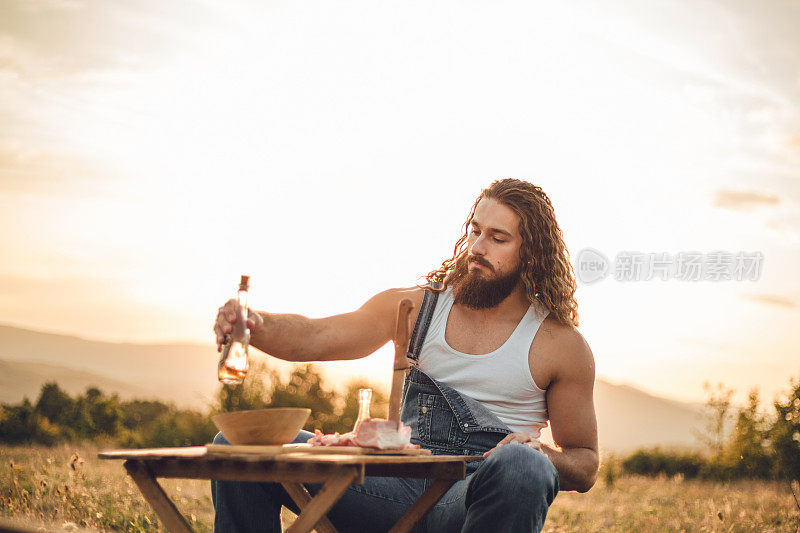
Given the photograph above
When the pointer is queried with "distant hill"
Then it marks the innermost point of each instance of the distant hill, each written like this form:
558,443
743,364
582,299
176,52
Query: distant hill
183,373
19,379
627,417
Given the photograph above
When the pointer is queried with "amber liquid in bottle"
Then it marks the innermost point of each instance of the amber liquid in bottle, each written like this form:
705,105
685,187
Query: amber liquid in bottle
233,363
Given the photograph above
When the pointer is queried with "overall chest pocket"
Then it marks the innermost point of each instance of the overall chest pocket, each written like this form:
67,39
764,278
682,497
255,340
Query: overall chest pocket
437,423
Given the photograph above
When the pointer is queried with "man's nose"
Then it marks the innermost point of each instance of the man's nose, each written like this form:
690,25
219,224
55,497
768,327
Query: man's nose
477,247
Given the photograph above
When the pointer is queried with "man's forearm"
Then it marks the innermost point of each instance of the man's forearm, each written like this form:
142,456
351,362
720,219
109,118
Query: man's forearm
287,336
577,467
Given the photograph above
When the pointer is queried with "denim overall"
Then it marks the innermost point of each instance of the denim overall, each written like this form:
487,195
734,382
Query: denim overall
511,490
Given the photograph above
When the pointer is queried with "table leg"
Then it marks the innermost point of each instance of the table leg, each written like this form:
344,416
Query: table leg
328,495
169,515
301,497
426,500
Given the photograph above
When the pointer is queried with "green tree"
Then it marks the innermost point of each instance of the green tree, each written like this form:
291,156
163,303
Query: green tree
21,424
178,428
785,433
747,451
17,423
656,461
95,414
54,403
718,408
305,389
141,413
106,415
79,423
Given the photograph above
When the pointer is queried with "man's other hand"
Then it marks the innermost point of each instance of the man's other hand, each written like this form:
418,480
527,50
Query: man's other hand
522,438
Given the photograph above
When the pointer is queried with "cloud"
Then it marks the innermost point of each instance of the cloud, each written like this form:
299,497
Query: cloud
43,6
768,299
28,168
743,200
58,39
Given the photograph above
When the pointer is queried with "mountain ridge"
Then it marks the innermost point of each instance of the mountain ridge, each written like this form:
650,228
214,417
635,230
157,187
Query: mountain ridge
184,374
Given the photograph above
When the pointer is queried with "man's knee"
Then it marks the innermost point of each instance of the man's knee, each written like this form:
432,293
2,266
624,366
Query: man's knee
219,438
518,468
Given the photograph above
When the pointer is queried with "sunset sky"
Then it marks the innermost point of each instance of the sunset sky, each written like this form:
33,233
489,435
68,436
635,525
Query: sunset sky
151,152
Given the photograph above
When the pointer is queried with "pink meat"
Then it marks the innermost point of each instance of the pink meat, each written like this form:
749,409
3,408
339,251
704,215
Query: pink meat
371,433
336,439
383,435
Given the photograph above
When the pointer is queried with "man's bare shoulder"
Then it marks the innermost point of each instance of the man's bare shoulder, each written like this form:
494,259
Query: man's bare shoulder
414,294
566,349
386,302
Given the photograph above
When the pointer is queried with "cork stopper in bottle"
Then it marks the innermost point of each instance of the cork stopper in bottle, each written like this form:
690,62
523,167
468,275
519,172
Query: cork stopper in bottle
244,284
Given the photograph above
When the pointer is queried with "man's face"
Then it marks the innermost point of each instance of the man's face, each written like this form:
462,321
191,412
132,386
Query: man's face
494,267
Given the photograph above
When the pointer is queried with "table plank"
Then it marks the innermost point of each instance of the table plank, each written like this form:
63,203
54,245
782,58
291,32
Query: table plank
309,449
183,451
229,470
201,453
349,459
449,470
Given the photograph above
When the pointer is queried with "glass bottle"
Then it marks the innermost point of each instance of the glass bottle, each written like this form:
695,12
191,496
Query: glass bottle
233,363
364,401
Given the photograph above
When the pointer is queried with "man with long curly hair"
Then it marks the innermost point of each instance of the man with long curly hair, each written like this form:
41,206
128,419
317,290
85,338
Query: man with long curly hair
501,358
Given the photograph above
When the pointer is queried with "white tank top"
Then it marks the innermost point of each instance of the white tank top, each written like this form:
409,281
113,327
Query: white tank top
501,380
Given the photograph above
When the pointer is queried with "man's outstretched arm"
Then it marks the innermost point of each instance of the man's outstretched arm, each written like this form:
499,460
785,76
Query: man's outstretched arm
298,338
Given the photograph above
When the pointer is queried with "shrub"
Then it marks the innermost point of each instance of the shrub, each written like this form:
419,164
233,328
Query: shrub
654,461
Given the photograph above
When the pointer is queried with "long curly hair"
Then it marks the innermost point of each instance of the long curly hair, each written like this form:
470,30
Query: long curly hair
546,269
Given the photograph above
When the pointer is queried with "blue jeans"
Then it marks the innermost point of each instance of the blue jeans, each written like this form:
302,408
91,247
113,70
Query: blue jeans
511,490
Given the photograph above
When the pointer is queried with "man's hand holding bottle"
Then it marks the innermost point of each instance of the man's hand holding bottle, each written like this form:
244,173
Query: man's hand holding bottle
226,317
232,328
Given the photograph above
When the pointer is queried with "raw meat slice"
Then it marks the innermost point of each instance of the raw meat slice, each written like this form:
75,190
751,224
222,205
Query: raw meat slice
383,434
370,433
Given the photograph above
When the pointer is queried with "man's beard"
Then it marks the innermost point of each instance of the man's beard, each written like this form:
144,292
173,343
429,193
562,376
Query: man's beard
477,292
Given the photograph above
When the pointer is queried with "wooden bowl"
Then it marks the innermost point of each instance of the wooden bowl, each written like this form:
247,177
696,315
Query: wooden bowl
277,425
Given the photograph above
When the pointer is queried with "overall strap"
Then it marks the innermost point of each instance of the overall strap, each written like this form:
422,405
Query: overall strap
424,318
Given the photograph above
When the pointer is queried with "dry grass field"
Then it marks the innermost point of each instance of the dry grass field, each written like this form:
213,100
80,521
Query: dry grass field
68,487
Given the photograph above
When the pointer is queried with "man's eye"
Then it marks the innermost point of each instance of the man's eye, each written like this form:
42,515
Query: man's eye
499,240
476,232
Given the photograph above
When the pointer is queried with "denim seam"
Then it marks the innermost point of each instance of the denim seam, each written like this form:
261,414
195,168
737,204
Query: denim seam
422,421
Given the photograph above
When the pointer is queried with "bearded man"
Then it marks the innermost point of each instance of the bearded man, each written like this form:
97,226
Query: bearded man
502,339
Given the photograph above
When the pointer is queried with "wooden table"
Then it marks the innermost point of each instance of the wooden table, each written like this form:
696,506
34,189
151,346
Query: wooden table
335,472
